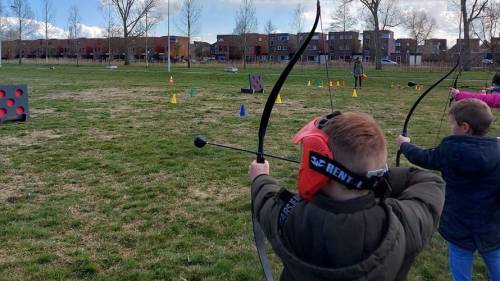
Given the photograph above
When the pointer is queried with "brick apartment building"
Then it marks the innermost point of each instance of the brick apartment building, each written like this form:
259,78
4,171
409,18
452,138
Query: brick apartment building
282,46
434,50
316,48
387,42
405,50
342,45
229,47
476,52
98,48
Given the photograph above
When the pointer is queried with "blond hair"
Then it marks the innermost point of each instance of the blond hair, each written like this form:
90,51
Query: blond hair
355,138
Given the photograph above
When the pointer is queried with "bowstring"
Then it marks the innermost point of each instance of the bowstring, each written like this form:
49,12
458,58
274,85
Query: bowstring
325,46
448,104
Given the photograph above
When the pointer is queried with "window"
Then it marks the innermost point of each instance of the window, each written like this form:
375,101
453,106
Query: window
315,37
285,48
386,35
220,39
345,37
332,37
398,44
279,48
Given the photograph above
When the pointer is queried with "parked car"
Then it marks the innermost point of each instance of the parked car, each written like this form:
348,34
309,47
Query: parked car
487,61
389,62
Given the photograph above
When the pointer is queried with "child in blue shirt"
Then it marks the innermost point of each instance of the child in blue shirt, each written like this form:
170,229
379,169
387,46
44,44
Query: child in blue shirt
470,164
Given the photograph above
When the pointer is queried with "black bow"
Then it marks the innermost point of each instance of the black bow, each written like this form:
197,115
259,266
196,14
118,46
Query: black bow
404,132
266,114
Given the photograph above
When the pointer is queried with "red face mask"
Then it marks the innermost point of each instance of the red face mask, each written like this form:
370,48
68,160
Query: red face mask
312,139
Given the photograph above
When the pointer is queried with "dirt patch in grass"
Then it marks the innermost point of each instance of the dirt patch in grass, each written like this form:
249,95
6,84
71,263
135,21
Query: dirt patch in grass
107,94
19,187
34,112
32,138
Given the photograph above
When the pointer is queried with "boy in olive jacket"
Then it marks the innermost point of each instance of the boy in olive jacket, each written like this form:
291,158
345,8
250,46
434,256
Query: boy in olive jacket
337,228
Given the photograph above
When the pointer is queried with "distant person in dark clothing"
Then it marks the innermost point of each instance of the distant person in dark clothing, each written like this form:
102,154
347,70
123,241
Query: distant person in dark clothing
358,72
470,164
352,218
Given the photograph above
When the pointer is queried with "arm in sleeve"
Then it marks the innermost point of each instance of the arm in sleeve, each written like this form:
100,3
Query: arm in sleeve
267,205
425,158
493,100
418,202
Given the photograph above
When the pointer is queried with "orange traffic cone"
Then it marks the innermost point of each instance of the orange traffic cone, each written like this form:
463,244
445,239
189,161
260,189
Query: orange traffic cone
171,81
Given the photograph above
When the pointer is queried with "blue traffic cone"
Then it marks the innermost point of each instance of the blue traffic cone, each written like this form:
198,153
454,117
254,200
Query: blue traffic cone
243,112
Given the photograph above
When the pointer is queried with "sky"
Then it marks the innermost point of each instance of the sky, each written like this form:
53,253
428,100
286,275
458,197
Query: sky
218,16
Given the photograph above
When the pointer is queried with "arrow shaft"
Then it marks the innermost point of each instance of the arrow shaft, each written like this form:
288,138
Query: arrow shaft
253,152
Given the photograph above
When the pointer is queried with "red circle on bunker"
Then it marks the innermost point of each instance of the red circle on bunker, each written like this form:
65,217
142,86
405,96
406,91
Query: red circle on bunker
19,92
19,110
2,94
10,102
3,112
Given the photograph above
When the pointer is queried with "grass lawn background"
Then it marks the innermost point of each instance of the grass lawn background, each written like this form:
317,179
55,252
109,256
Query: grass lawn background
104,182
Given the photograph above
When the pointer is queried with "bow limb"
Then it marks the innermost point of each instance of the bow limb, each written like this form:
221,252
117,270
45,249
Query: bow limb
404,132
266,114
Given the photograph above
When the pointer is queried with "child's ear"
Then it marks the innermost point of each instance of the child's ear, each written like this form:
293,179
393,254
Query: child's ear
466,128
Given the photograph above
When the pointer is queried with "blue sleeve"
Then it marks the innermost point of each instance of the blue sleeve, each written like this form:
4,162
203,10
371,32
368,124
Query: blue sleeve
425,158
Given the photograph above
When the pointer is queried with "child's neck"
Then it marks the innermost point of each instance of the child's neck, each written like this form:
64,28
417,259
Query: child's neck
339,192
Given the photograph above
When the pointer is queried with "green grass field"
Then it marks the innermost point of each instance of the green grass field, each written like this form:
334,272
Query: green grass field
104,182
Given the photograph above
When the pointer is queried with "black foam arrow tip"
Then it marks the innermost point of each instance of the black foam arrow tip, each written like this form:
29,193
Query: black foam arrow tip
200,141
412,84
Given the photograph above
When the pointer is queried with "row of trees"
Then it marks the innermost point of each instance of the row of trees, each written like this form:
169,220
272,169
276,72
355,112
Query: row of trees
128,18
481,19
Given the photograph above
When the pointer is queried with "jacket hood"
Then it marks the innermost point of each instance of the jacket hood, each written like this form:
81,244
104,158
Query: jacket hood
472,154
374,267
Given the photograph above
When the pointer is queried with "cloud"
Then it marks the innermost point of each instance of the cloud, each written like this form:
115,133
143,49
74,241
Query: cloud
55,32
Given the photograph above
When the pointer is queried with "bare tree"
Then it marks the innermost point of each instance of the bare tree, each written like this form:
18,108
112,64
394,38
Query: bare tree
111,28
269,29
297,25
131,13
383,14
471,10
189,21
420,26
24,16
74,30
487,27
246,22
342,19
47,17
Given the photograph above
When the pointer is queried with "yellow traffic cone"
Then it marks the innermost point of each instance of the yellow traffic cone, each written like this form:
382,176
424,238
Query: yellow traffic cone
278,99
173,99
171,81
331,84
309,83
354,93
338,83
